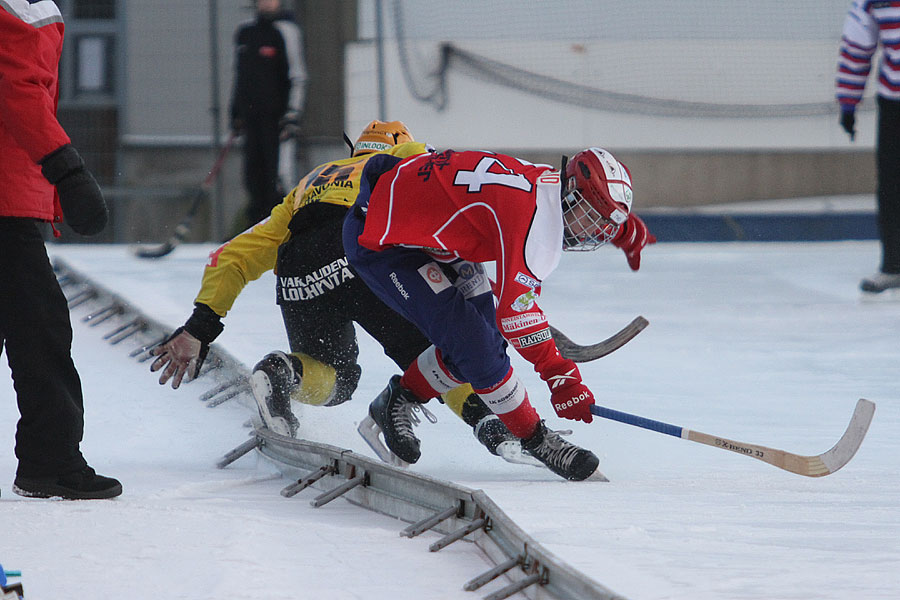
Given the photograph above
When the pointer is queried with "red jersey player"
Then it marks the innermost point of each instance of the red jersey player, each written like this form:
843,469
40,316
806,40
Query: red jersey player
419,232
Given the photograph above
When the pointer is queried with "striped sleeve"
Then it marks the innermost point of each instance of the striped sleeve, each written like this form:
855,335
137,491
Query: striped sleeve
293,44
859,39
868,23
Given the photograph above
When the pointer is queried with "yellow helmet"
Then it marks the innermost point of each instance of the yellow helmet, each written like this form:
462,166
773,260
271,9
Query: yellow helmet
379,135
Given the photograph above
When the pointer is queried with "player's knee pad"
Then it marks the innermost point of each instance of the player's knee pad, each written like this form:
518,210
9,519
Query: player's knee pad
318,381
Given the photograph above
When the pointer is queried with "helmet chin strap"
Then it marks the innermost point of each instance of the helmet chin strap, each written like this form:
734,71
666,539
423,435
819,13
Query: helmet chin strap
348,141
562,176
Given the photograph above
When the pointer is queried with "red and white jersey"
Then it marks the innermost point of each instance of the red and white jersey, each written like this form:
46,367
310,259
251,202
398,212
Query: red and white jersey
867,23
480,207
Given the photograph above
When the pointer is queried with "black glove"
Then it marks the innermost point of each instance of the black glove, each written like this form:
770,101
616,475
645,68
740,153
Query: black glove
237,126
204,324
79,195
848,122
289,126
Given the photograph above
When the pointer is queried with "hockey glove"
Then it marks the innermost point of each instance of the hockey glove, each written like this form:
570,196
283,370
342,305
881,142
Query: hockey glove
848,120
237,126
183,352
571,399
79,195
632,238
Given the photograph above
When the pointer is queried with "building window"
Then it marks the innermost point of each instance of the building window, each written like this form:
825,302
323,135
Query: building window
94,64
94,9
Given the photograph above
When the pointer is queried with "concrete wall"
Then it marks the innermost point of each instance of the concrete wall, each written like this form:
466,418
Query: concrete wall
166,123
701,177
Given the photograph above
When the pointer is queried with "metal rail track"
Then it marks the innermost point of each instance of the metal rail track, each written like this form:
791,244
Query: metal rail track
427,504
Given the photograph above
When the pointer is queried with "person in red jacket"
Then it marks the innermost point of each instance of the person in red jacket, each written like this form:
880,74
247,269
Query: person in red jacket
42,178
419,232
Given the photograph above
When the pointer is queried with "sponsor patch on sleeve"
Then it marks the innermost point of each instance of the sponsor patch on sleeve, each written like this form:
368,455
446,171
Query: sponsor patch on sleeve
527,281
532,339
522,321
525,301
435,277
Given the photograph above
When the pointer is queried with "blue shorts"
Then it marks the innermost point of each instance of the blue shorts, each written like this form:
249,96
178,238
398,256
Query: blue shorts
451,303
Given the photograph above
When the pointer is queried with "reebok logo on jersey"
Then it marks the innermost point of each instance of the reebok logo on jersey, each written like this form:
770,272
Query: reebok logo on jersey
532,339
398,285
556,381
522,321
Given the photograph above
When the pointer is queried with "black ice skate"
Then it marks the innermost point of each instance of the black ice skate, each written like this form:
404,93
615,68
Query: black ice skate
880,282
392,414
272,380
500,441
563,458
84,484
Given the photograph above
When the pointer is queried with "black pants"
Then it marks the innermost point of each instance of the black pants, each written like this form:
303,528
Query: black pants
321,297
34,320
888,161
261,145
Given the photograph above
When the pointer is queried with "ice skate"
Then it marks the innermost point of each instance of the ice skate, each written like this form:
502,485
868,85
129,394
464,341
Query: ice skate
272,380
563,458
393,415
499,441
880,282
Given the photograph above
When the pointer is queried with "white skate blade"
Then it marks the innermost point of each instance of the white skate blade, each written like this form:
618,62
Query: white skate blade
369,431
597,476
259,384
511,452
891,295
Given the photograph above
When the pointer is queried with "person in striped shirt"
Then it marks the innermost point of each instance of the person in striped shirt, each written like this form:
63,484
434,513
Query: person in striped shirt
868,23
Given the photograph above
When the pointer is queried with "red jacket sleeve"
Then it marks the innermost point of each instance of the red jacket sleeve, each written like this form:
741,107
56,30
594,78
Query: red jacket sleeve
29,62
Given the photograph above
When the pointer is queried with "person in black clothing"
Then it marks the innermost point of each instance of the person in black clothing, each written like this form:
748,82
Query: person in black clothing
42,179
267,99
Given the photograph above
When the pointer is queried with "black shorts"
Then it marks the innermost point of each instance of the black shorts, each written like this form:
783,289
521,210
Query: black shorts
321,297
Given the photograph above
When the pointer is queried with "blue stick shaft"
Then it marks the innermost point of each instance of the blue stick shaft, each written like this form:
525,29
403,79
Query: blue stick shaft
629,419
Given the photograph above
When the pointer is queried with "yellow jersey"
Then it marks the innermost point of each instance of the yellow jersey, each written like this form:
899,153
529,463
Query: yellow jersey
247,256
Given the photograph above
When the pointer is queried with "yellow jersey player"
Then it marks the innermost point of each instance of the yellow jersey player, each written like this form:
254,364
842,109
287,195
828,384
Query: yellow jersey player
321,298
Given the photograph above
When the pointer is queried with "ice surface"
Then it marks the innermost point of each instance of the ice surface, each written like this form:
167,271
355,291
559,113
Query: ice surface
764,343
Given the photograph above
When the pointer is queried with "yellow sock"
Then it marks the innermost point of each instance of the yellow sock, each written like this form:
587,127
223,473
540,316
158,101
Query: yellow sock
317,384
456,398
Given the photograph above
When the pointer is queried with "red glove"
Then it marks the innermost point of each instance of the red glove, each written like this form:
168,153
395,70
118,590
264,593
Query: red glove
571,399
631,238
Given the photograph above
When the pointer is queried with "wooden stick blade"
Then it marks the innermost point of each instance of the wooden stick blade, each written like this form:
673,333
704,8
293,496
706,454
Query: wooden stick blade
579,353
846,447
808,466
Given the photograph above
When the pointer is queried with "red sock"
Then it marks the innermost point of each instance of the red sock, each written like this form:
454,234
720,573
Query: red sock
509,401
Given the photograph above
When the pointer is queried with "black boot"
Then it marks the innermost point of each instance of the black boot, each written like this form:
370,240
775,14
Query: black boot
393,413
78,485
273,379
563,458
491,432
